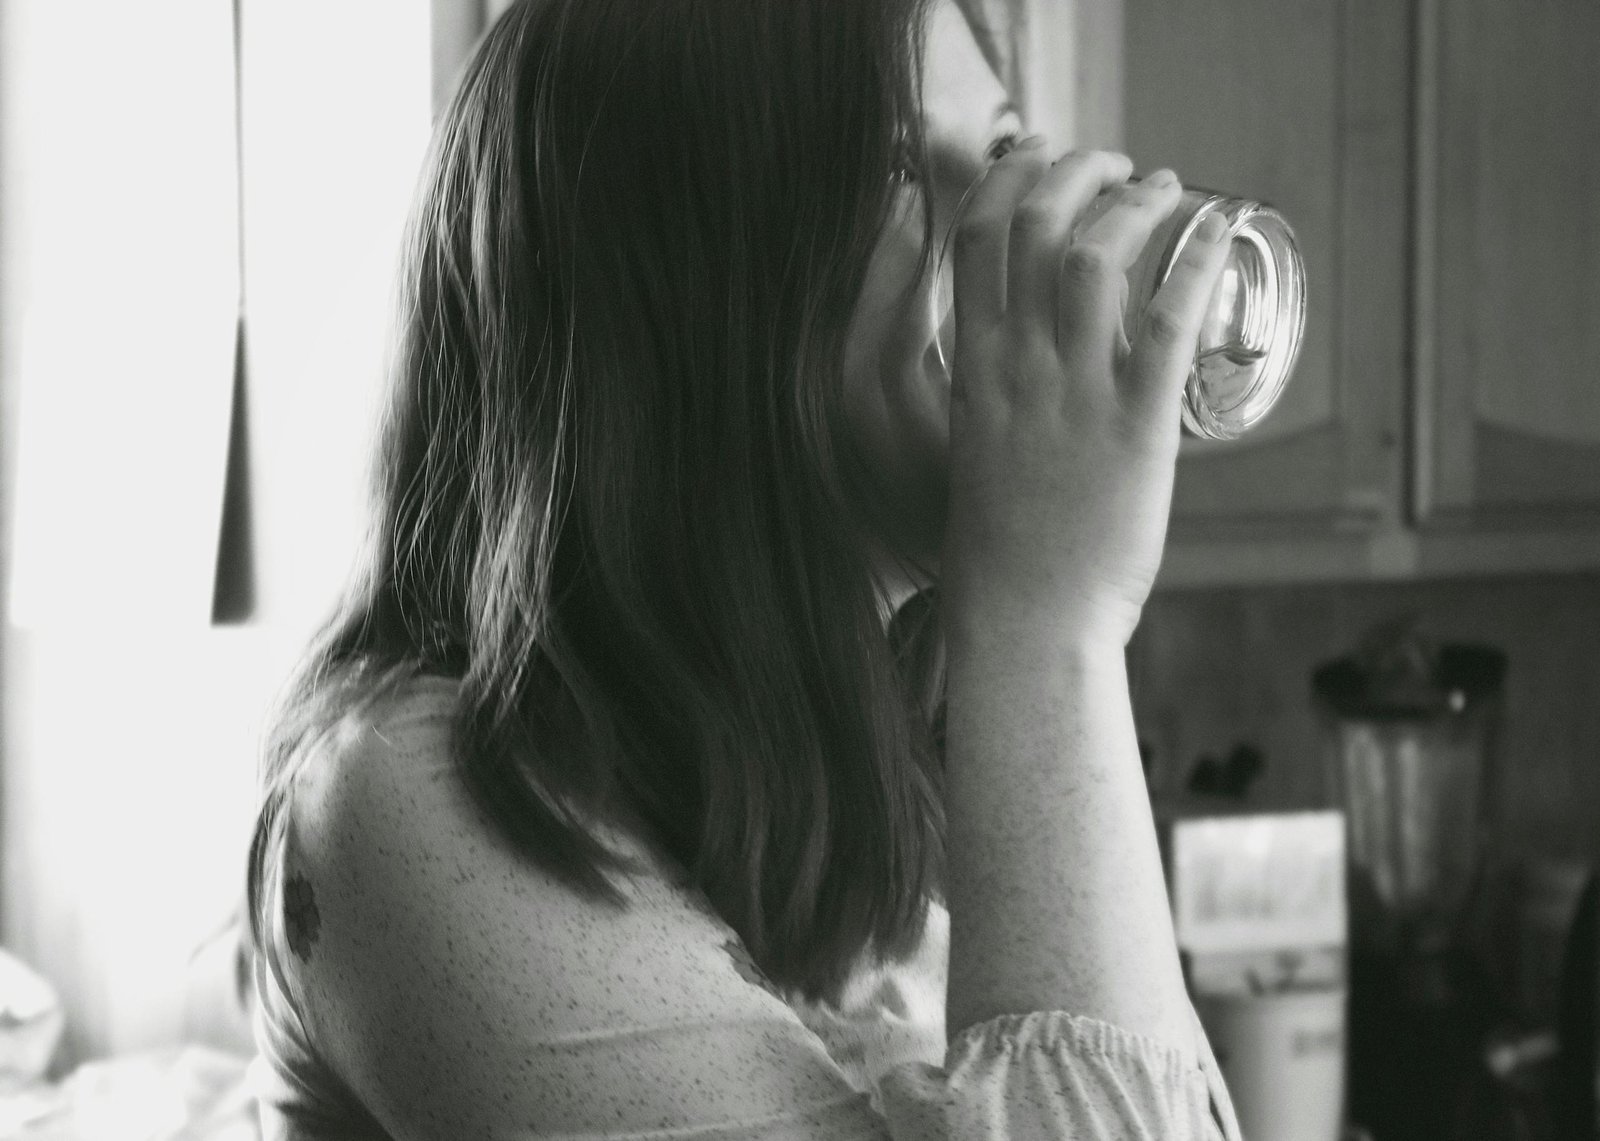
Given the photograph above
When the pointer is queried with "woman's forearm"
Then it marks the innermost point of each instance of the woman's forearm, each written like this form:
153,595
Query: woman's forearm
1055,889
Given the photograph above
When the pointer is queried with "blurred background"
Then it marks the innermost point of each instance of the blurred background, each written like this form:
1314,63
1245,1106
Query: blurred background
201,208
200,203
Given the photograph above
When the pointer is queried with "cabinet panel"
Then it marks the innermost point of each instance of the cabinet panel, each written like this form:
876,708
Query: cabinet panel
1301,104
1509,295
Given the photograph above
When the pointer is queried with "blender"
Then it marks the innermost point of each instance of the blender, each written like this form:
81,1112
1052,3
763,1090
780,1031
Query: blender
1408,734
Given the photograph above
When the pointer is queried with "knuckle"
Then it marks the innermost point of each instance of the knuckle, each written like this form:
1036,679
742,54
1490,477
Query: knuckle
1164,324
974,231
1036,152
1033,217
1111,163
1088,263
1025,154
1149,193
1087,155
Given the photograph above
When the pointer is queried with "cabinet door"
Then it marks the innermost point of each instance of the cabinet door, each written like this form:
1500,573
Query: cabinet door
1509,244
1301,103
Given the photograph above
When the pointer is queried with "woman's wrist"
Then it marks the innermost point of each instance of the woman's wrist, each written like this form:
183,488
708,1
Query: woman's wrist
1074,630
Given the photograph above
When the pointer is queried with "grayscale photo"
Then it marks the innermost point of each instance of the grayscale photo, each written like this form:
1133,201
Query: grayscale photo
799,570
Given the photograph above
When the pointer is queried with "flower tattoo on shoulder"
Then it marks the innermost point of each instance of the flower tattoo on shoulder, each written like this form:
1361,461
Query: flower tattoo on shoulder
302,922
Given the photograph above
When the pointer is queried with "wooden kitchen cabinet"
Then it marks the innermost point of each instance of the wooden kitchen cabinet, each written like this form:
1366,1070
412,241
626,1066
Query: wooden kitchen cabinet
1301,104
1439,160
1508,374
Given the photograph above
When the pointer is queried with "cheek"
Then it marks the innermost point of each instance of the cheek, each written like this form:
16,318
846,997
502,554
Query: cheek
892,314
897,397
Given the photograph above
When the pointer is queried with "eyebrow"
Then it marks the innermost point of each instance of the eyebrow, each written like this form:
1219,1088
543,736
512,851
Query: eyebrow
1006,108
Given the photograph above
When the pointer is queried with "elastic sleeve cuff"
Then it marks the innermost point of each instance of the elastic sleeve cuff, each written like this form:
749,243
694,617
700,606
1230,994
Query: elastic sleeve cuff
1075,1034
1050,1074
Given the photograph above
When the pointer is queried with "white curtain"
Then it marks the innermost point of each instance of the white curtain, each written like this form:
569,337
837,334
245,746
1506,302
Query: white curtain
336,104
129,724
124,292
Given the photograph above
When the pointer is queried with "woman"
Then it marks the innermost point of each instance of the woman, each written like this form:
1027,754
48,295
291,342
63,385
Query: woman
610,805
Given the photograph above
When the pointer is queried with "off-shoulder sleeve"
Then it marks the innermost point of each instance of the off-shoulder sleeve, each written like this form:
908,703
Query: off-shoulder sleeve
439,986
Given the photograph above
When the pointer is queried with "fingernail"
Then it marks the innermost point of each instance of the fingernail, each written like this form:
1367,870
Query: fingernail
1213,227
1031,142
1162,177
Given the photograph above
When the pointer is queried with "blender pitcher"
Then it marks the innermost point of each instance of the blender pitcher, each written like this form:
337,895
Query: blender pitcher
1408,735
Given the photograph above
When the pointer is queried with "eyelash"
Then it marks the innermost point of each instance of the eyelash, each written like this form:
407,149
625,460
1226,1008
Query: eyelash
904,171
1003,146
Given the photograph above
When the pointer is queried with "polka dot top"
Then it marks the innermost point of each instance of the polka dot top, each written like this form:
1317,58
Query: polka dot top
421,980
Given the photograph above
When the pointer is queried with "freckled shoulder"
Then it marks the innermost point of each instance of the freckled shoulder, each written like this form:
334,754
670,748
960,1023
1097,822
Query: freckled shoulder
397,858
374,754
453,981
349,801
380,798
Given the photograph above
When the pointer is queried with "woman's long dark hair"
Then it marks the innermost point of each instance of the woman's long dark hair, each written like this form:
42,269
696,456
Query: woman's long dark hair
609,495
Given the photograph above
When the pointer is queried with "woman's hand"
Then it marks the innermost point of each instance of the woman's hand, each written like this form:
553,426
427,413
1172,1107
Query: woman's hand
1064,428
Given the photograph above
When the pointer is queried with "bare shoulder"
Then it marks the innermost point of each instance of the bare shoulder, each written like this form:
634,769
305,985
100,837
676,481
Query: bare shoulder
447,979
383,828
392,869
386,749
356,802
